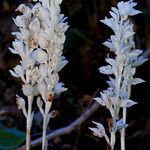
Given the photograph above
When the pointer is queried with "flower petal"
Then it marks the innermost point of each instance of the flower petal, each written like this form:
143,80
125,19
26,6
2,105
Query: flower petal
106,70
127,103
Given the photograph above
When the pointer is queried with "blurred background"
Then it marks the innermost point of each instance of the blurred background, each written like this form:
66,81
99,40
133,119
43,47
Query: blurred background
85,53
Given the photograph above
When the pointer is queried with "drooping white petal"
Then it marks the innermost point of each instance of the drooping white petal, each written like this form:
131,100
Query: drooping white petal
110,45
134,12
111,61
18,35
120,125
109,92
19,21
111,82
61,65
59,88
106,70
127,103
99,131
105,99
18,71
139,61
100,101
18,45
100,127
135,53
109,22
114,15
96,132
137,81
14,74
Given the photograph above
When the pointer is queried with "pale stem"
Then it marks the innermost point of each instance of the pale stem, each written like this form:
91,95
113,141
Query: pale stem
116,110
113,140
44,139
124,121
123,130
46,118
29,122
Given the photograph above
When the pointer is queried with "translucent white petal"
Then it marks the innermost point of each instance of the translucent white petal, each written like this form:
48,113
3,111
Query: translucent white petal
19,21
14,74
61,65
120,125
134,12
100,101
127,103
137,81
108,22
106,69
14,51
109,45
96,132
139,61
59,88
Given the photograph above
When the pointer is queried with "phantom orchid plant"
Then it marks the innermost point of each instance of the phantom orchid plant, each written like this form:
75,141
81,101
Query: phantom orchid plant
120,69
39,43
52,61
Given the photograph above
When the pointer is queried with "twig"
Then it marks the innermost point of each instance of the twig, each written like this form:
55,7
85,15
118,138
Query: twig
68,129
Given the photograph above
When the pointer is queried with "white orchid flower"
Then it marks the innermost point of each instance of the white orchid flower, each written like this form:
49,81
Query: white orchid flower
59,88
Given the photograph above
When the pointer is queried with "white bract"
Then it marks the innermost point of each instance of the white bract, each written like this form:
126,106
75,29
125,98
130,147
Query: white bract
120,125
99,131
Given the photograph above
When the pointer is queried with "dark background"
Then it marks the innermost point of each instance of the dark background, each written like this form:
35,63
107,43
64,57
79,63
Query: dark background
85,53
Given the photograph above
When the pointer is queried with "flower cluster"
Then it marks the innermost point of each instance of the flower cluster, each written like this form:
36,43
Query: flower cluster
39,43
120,68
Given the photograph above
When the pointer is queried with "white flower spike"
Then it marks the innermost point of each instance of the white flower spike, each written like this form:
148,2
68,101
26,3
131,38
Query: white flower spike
39,42
121,68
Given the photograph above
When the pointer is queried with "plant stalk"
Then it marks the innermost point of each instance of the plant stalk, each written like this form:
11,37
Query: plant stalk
29,122
44,139
123,130
113,140
124,121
